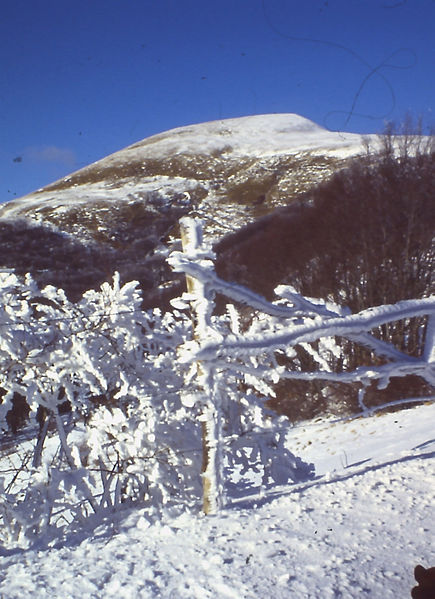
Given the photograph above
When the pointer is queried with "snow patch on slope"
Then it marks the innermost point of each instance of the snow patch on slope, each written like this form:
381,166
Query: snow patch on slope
250,135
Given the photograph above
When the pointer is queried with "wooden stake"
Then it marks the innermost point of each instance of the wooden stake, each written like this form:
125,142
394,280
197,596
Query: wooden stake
191,239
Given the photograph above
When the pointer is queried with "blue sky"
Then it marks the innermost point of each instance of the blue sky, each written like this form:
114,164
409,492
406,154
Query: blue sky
84,78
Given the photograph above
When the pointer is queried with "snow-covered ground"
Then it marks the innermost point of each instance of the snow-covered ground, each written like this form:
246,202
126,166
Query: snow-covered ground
356,530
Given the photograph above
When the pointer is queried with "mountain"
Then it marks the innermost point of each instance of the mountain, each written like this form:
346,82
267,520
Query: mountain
120,212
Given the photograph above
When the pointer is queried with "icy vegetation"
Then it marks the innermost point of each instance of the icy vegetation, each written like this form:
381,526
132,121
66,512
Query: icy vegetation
141,421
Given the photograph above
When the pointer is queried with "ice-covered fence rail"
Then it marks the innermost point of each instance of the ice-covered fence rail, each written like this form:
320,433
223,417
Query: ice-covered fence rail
325,320
345,326
193,266
342,326
362,374
181,262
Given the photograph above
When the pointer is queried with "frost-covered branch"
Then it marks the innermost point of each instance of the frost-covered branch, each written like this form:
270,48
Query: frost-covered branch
302,307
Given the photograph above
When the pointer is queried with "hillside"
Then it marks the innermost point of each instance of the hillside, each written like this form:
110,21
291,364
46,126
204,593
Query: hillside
119,212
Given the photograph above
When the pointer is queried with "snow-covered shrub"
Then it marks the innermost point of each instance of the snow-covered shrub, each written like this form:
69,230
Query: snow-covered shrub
100,374
253,436
255,451
122,408
146,443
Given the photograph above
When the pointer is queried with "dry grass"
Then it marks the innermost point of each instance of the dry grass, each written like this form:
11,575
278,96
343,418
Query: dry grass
200,167
263,186
236,174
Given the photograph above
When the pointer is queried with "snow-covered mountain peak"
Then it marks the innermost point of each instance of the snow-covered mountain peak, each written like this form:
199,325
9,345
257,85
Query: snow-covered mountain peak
205,155
250,135
228,171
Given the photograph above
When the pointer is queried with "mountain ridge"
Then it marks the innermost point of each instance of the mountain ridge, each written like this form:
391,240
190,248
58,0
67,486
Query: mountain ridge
128,204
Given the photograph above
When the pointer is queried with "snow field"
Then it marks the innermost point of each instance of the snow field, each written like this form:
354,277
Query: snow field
356,531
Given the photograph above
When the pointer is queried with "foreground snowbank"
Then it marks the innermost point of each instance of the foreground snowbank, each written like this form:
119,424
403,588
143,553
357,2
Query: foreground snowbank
357,530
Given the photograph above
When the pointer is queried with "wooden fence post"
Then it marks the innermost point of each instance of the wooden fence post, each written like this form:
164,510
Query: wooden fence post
191,239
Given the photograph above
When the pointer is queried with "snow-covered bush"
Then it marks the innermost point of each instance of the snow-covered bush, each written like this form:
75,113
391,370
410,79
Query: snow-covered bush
117,410
53,351
100,376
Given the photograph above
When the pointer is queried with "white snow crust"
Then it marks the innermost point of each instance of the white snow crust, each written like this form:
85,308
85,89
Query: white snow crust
357,530
250,135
